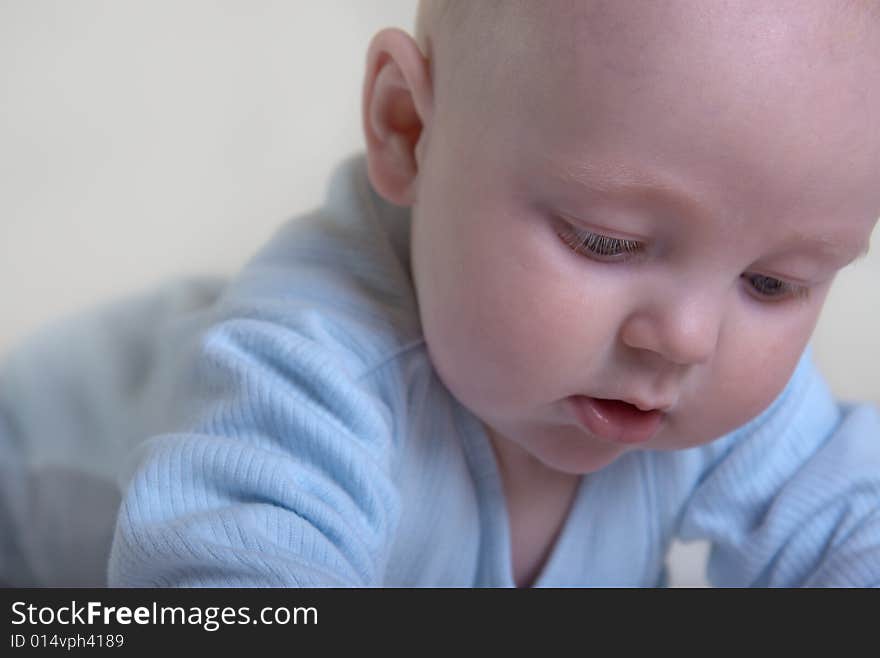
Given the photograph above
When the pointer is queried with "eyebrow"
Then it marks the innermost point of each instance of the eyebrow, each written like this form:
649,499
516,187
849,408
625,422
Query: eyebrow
620,181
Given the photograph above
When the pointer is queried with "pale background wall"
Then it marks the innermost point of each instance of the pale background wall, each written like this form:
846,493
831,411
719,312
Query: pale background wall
143,139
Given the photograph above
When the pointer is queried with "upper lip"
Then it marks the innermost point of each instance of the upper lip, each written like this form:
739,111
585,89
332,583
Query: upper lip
646,406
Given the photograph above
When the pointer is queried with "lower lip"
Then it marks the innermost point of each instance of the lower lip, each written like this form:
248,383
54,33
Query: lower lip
616,421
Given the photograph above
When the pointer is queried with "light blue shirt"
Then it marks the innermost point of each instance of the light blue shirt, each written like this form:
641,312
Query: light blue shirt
288,428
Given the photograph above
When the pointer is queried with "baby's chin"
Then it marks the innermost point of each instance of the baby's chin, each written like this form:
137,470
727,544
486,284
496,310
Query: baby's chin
579,454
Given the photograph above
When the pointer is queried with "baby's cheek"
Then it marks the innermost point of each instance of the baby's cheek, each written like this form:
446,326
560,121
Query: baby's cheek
758,375
476,346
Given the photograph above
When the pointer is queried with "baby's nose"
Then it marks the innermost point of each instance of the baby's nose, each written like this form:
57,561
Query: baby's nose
682,330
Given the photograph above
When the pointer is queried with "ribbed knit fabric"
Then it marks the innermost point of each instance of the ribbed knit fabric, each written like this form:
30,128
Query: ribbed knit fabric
288,429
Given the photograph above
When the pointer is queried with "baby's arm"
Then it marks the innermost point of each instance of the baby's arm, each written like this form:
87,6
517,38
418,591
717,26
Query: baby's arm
845,529
279,466
795,502
280,479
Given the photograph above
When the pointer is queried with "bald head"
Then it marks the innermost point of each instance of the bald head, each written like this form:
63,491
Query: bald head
461,40
449,30
682,74
450,27
475,46
438,20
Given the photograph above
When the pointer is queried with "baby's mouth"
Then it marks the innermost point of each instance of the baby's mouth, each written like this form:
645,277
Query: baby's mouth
616,420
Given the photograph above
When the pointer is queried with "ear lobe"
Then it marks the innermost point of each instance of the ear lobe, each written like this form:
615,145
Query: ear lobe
396,100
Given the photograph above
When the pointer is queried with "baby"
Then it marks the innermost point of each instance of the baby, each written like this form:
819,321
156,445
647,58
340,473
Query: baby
557,316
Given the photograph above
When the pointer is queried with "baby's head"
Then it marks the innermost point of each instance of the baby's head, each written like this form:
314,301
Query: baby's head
640,201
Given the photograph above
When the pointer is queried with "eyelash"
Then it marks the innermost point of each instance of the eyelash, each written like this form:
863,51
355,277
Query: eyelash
606,249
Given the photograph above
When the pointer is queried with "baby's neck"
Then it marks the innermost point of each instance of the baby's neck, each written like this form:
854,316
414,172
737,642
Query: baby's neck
536,516
538,500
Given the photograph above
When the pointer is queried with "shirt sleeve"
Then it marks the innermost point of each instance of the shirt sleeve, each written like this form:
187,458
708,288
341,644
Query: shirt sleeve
282,477
278,466
794,500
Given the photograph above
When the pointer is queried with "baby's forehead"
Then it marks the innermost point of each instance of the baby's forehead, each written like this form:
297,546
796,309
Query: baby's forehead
766,66
776,97
552,34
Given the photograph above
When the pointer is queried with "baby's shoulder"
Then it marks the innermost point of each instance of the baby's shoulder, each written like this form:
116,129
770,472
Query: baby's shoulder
337,277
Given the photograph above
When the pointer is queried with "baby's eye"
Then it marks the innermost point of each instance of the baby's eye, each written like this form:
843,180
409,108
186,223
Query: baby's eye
605,248
601,247
768,288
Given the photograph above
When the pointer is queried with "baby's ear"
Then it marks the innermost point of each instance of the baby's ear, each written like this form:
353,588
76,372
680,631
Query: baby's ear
396,107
